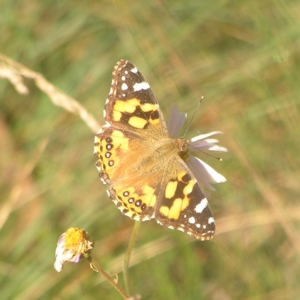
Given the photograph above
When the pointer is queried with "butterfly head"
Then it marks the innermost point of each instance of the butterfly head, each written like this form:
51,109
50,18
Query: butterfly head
181,146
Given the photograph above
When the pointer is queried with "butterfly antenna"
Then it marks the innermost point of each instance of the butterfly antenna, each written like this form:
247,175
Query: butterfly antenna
196,149
193,116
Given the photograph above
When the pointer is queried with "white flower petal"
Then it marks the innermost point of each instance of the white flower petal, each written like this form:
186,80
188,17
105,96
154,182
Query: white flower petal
207,144
206,171
58,265
204,136
176,121
204,145
200,176
218,148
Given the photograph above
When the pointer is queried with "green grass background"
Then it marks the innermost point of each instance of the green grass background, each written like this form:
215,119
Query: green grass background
242,56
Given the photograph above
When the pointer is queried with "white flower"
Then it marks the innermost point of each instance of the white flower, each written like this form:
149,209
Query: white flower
202,171
71,245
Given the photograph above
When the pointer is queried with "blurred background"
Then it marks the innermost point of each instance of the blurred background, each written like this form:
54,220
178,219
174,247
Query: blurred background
242,56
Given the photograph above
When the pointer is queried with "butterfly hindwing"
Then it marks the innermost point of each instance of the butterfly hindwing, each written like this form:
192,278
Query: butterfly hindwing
184,206
112,147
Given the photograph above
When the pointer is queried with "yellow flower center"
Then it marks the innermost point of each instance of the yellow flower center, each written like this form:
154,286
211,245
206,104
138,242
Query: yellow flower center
74,237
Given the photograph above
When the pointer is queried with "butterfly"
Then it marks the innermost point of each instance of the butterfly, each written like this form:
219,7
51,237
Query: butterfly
150,174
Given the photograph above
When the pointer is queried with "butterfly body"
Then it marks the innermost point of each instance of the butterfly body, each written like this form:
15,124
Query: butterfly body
145,167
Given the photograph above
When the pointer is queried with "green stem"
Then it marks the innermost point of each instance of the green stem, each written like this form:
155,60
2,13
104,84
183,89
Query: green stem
95,266
128,253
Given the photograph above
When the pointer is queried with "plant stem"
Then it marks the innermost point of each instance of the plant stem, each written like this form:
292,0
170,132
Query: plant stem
95,266
128,253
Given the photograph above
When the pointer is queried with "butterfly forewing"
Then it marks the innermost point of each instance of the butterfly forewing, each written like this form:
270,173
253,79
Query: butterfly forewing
131,104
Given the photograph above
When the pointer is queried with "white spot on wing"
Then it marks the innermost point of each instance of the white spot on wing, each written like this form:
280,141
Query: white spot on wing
141,86
134,70
124,86
199,207
198,225
211,220
192,220
123,77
